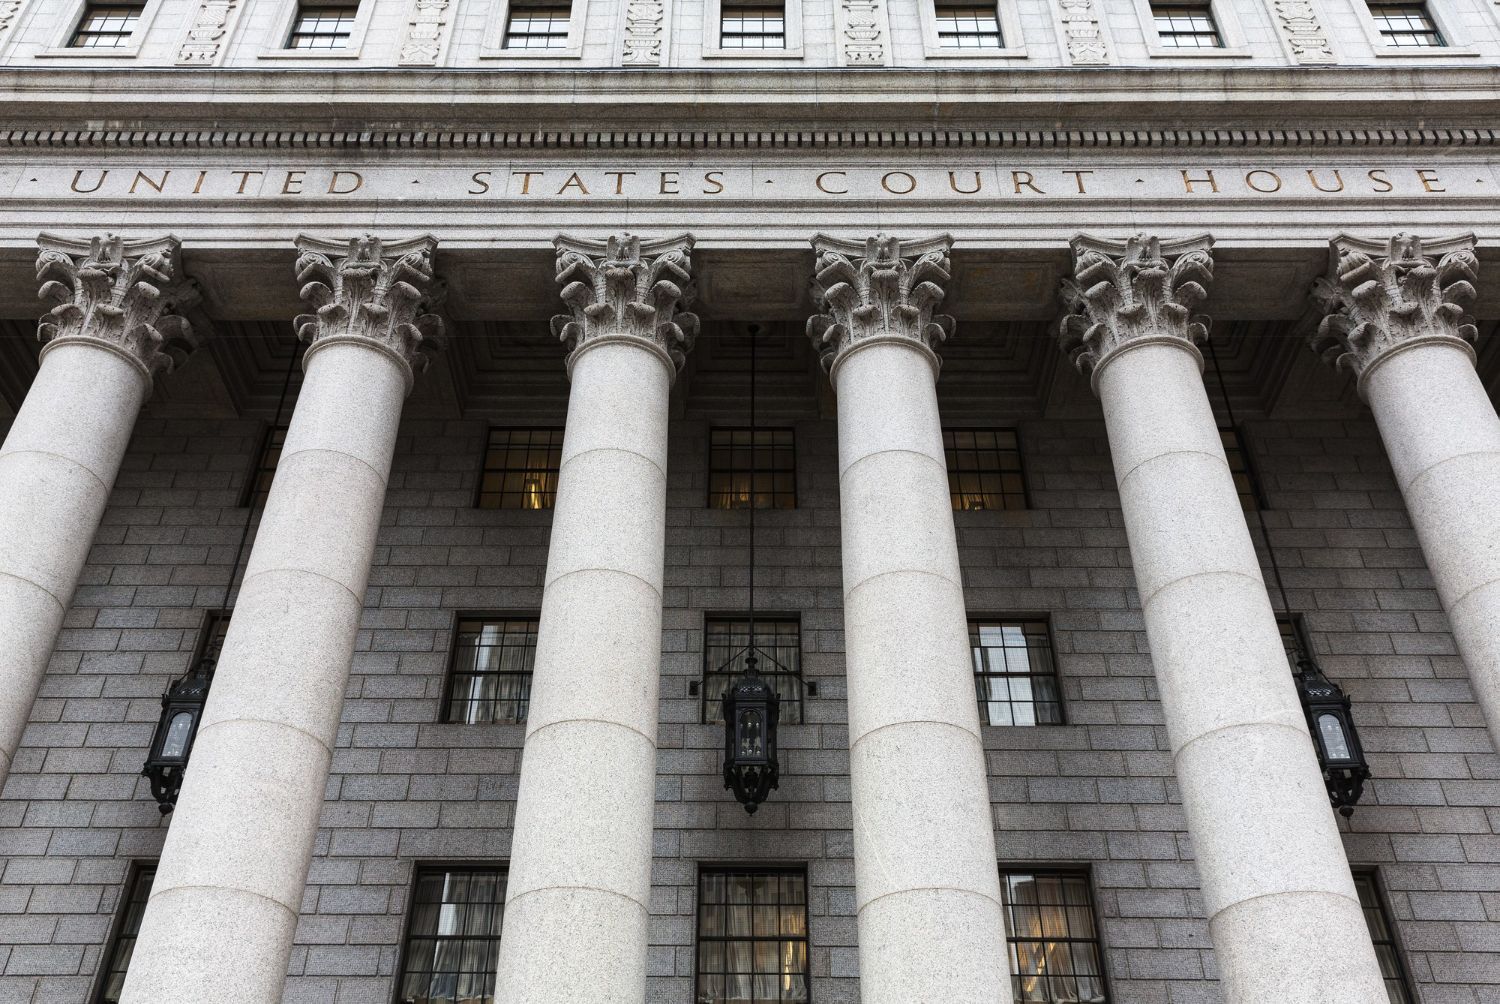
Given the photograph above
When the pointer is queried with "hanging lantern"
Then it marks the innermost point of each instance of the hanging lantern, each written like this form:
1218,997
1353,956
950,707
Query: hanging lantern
752,712
181,711
1334,736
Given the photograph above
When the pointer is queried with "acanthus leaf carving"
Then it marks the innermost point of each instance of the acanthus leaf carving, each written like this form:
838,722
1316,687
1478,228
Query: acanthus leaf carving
627,289
1379,297
385,293
885,289
129,296
1123,292
426,31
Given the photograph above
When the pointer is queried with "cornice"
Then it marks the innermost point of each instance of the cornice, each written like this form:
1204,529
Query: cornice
144,108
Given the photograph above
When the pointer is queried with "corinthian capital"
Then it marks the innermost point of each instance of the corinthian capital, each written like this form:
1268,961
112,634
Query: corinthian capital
1381,297
371,291
884,290
1125,292
627,289
126,296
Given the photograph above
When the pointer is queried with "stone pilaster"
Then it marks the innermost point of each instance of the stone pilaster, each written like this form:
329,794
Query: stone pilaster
1397,318
578,893
223,909
1249,776
926,881
118,318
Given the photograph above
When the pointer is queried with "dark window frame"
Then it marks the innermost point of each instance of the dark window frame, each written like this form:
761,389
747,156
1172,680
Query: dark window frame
343,34
742,11
1295,624
445,710
950,35
136,869
1071,870
798,868
533,9
132,10
484,468
1371,875
421,865
1168,39
1429,29
251,496
209,635
756,469
976,621
798,676
950,458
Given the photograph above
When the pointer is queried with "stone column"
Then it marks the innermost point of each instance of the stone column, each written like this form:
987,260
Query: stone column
927,884
224,905
1282,910
577,902
1396,318
118,321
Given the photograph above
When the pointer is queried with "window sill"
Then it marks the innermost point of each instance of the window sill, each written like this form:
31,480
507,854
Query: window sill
1010,52
1165,52
1389,52
569,52
69,52
715,53
299,54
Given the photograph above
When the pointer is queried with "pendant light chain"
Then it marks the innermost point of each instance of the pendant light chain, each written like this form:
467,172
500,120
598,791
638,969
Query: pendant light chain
751,661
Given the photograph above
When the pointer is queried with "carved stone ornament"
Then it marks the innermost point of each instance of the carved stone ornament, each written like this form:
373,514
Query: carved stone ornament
1378,297
1303,32
1086,45
203,42
9,9
627,289
1125,292
645,34
126,296
372,291
863,33
426,31
885,289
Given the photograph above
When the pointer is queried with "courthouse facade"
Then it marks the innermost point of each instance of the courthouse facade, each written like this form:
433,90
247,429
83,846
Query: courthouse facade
458,391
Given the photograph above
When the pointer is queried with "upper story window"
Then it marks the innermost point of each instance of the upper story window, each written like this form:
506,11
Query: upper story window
984,469
453,937
1186,25
752,468
778,653
490,679
537,25
259,487
1239,467
1397,985
1051,936
1406,25
752,26
964,24
1014,672
1293,636
127,929
520,469
752,935
107,25
326,24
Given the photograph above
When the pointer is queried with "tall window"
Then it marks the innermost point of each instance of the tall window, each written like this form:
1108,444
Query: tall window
1052,938
537,25
778,649
1293,634
1397,985
964,24
326,24
752,26
258,489
1014,672
1186,25
984,469
752,468
520,469
752,935
1239,467
1406,25
214,629
491,675
107,25
453,942
127,928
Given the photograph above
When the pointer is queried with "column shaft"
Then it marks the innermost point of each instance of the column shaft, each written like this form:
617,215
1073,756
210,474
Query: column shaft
1274,875
577,903
926,875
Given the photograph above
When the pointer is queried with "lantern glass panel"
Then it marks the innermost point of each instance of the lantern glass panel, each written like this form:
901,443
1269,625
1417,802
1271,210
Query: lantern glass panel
174,746
1335,740
751,736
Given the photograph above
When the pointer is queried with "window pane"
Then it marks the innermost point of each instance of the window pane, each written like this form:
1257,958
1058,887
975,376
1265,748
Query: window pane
490,680
323,26
778,654
453,946
520,469
968,26
1050,931
984,469
1396,984
1186,26
1406,25
742,473
755,951
752,26
1014,676
537,26
133,908
107,25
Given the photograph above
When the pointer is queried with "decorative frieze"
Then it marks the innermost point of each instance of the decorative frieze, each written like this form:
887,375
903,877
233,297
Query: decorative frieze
644,38
1302,31
627,289
9,9
1379,297
371,290
128,296
1083,33
864,32
203,42
1127,291
883,289
426,32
